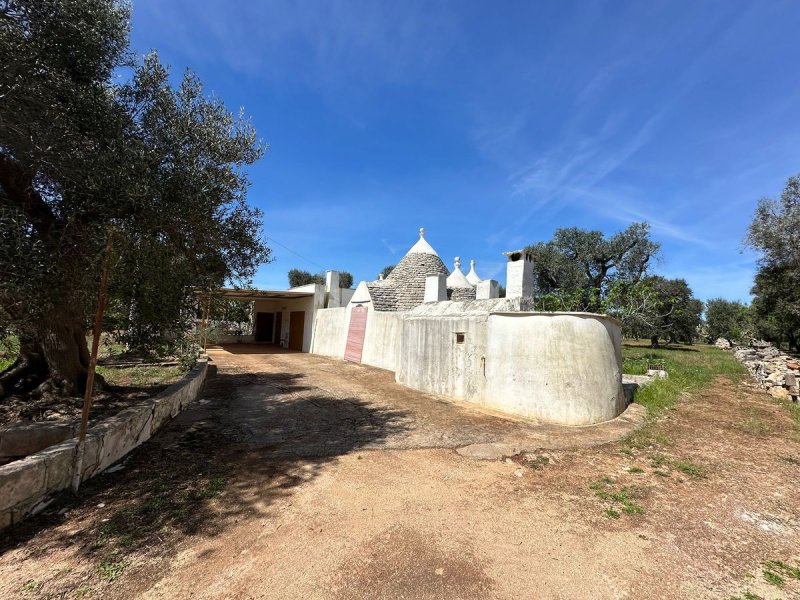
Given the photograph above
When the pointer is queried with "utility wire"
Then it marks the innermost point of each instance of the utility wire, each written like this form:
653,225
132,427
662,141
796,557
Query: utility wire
272,239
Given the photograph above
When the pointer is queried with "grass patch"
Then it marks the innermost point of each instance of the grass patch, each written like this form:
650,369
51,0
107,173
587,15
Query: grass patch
622,498
747,596
111,570
690,368
794,412
755,426
774,578
689,468
662,464
777,566
166,506
144,376
635,470
646,437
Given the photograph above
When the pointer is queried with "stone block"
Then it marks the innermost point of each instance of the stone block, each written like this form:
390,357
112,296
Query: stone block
124,432
162,410
91,454
487,289
779,393
58,461
21,480
24,440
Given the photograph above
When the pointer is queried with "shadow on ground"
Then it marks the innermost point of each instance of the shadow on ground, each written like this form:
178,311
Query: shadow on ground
668,347
246,444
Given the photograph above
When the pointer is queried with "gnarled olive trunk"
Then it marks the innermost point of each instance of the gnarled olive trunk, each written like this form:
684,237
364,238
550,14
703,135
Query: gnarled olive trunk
54,358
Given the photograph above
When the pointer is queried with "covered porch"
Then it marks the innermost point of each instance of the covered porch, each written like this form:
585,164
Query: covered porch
282,318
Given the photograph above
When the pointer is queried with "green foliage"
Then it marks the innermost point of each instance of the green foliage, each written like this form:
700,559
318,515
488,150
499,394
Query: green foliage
728,319
158,170
387,270
575,270
690,368
111,570
345,280
775,233
582,270
298,277
661,308
9,348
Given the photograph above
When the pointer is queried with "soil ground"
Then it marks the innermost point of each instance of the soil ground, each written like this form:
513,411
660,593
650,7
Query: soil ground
296,476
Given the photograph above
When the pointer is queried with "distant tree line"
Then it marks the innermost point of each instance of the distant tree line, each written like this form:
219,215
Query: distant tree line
298,277
580,270
774,314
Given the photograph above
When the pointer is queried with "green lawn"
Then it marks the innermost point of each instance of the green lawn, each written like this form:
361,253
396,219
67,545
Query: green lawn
140,377
690,368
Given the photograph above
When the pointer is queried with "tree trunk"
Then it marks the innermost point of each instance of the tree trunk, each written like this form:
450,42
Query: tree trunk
654,341
55,359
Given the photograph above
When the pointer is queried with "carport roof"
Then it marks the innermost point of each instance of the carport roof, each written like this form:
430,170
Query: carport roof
253,294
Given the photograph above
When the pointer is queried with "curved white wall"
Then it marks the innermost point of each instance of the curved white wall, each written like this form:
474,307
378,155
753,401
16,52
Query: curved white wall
555,367
559,367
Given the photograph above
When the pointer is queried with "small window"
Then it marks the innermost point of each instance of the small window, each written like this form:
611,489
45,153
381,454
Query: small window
460,338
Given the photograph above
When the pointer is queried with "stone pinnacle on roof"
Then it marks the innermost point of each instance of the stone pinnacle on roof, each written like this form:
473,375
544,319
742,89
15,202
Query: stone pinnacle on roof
472,276
456,278
422,247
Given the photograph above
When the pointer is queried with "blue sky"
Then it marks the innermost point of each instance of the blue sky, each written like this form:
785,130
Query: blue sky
492,124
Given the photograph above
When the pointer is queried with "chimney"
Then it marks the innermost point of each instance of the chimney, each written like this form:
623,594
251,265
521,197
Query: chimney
487,289
519,274
435,288
333,293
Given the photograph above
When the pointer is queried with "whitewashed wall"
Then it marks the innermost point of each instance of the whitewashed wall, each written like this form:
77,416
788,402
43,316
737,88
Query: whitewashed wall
330,332
556,367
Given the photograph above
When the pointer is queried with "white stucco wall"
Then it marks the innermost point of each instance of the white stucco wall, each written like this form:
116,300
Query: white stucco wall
330,332
557,367
382,339
562,368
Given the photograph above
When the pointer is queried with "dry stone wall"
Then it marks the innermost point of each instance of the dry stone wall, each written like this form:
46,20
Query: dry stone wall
28,485
776,372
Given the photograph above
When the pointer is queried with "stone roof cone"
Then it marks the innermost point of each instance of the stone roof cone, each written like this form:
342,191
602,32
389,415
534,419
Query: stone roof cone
404,287
472,276
457,278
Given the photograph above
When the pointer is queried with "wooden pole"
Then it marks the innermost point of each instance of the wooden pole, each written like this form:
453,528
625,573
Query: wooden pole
206,310
87,397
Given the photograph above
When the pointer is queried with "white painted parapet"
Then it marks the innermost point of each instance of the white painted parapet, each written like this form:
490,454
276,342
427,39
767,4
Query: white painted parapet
435,288
487,289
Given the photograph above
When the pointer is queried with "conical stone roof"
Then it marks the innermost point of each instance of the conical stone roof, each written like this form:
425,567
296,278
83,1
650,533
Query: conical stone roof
472,276
404,288
457,278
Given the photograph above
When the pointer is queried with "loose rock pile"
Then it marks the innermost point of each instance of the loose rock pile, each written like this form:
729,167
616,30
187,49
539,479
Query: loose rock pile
776,372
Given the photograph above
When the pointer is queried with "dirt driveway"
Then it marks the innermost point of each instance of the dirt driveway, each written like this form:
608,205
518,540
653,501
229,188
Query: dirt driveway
301,477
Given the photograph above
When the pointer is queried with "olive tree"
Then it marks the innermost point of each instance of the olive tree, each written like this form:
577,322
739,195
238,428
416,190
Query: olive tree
152,173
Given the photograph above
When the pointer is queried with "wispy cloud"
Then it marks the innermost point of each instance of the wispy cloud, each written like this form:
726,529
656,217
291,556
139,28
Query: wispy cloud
304,40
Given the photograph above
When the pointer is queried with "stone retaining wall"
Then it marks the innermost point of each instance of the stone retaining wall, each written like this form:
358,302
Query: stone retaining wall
776,372
19,441
26,485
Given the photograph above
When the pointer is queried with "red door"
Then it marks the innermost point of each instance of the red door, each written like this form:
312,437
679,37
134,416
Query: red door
355,335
